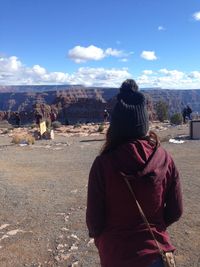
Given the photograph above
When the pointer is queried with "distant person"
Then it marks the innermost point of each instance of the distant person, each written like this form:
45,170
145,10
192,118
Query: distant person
66,121
38,118
112,216
53,116
17,119
105,115
189,112
184,114
48,120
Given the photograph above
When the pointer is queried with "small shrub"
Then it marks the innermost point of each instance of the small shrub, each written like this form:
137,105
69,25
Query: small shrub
162,111
30,139
101,128
56,124
16,139
25,139
34,125
78,125
176,119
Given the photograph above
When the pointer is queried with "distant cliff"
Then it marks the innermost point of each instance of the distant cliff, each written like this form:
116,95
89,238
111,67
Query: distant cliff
177,99
78,103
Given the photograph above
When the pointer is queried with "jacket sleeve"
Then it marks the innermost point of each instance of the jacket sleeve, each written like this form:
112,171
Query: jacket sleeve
95,213
173,202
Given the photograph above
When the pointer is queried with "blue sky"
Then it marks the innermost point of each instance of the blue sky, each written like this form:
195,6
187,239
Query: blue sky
100,42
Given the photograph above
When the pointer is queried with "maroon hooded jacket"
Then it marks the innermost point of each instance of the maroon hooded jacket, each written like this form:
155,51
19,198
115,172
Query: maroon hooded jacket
112,216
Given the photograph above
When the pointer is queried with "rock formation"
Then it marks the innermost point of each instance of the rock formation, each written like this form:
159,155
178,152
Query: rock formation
81,104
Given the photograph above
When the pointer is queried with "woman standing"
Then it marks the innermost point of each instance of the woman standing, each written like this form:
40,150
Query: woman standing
113,218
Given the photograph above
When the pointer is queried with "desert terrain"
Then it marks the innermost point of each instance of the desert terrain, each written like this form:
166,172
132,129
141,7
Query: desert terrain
43,191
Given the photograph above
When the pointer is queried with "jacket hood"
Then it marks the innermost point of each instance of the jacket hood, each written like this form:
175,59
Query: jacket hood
140,158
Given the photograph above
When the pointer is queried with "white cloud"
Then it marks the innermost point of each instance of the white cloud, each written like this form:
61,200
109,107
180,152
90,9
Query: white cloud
196,16
161,28
113,52
11,63
194,75
173,73
164,71
102,76
148,55
170,79
13,72
39,70
144,80
147,72
80,54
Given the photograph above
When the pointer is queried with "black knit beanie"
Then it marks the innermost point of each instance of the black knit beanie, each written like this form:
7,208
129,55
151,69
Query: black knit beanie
130,116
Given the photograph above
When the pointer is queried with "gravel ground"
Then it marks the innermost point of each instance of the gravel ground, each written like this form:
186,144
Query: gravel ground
43,197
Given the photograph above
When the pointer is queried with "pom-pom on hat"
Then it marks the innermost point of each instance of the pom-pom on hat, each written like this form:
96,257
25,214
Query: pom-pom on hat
130,116
128,85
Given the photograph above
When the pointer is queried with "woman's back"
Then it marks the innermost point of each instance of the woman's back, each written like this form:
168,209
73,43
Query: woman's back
113,219
151,173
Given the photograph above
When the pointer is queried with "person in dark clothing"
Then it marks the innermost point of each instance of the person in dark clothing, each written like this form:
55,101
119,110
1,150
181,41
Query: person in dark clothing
105,115
53,116
189,112
184,114
112,217
38,118
17,119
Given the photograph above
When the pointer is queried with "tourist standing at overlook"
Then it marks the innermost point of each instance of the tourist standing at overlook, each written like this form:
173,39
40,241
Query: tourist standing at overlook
17,119
131,155
38,118
105,115
186,113
189,112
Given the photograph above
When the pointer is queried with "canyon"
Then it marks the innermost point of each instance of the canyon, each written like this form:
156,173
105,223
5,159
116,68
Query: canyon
77,103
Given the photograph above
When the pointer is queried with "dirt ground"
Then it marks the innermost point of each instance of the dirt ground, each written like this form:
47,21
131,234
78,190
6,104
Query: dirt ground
43,200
